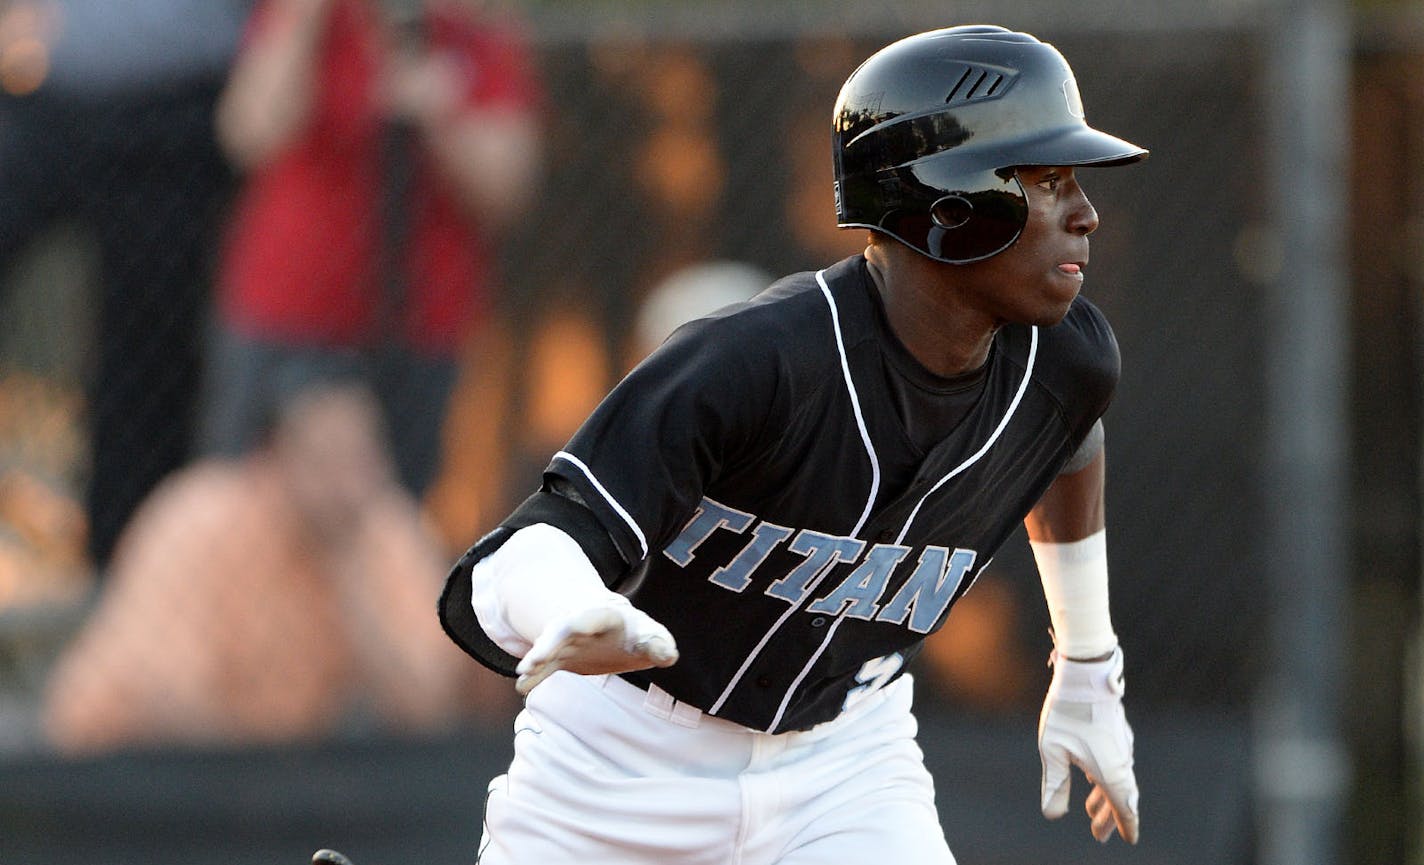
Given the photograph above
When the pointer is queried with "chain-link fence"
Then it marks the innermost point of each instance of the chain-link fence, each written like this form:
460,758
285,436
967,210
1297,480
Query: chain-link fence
666,147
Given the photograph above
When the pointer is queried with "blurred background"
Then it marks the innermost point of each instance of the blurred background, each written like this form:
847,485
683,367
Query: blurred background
298,296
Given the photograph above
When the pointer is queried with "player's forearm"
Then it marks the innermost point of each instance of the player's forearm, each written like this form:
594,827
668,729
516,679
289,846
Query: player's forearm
540,574
539,597
1073,508
1067,532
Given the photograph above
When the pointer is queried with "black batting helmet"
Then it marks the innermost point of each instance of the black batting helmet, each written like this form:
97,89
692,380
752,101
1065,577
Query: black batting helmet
928,132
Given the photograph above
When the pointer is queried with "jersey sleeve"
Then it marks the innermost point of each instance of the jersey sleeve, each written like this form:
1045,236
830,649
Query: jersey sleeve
631,476
1086,364
698,404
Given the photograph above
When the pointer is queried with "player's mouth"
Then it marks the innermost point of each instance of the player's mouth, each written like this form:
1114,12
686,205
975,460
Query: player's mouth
1072,268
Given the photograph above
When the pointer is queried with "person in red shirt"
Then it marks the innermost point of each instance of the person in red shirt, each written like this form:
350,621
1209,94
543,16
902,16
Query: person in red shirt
385,145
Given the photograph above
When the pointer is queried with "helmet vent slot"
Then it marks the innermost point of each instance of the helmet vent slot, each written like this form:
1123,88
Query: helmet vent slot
976,83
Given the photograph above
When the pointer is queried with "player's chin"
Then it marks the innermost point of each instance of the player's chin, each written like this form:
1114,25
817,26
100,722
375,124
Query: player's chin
1050,314
1056,301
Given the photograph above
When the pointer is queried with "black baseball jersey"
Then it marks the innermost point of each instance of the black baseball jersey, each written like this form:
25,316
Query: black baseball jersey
770,507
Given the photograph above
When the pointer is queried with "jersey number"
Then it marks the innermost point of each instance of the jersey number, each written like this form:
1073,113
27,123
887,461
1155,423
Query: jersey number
873,675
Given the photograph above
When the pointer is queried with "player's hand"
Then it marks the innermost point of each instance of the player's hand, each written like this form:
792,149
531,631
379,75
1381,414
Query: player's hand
617,638
1083,725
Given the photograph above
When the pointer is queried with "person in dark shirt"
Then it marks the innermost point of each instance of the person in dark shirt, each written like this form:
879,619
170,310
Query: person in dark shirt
711,600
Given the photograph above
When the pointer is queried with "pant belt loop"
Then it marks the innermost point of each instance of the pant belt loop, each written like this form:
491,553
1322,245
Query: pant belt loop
661,704
658,703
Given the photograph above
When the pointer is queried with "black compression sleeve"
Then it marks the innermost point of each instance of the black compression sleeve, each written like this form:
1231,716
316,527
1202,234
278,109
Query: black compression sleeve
457,616
558,505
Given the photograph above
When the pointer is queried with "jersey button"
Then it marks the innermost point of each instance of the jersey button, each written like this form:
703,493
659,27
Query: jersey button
764,681
818,622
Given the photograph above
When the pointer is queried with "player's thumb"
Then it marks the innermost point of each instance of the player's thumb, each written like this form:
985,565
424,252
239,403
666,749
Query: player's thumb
650,638
660,650
1057,781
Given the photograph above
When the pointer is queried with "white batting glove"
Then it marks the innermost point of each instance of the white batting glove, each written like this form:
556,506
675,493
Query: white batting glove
1083,725
616,638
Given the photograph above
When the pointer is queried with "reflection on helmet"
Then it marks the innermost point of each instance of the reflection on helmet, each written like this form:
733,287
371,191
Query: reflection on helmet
943,118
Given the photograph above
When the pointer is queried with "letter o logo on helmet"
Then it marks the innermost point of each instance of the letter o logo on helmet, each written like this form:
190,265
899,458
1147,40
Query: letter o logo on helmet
929,130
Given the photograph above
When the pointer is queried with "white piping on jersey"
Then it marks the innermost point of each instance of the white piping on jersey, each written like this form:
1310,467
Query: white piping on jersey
607,496
826,642
1013,407
1003,422
855,405
796,682
766,638
865,515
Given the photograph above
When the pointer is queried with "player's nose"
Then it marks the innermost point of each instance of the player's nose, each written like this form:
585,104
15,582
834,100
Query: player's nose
1082,216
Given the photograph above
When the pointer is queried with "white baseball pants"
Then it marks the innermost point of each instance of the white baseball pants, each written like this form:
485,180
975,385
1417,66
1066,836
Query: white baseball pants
607,774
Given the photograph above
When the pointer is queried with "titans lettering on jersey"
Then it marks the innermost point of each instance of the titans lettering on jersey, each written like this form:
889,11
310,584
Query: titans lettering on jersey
788,626
918,601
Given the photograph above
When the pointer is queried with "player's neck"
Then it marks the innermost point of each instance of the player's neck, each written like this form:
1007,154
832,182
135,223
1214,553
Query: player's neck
945,336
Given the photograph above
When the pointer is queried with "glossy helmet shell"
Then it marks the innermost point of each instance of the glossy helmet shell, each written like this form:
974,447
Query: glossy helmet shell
928,132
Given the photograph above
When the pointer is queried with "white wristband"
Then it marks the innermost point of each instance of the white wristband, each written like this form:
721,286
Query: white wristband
536,576
1075,585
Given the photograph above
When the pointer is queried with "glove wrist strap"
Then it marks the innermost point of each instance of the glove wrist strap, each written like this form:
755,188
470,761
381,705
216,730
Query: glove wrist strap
1087,681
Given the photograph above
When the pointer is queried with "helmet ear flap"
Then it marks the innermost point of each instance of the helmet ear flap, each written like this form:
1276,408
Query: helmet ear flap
956,223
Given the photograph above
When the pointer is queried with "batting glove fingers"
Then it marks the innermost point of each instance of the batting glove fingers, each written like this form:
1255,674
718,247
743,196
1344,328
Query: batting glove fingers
616,638
1083,724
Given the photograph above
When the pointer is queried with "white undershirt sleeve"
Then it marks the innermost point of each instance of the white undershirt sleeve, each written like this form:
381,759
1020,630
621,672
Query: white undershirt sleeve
536,576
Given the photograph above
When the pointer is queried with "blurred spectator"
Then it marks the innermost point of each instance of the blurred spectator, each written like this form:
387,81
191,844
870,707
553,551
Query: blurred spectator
689,293
42,560
386,144
274,598
569,361
106,120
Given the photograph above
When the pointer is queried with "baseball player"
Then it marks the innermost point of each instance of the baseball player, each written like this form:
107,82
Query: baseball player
711,600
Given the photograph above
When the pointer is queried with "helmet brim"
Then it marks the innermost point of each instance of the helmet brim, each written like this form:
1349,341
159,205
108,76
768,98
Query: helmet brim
1075,145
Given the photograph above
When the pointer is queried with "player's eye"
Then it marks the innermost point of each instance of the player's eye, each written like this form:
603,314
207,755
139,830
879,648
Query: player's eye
1050,182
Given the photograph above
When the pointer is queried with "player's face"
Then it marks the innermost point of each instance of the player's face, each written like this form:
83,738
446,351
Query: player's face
1035,280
